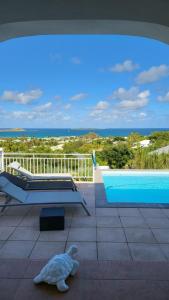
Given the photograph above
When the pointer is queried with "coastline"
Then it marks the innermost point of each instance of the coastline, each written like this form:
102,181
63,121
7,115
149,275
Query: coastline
12,130
68,132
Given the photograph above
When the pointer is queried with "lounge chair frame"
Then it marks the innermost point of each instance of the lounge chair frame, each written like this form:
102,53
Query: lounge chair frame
40,197
9,199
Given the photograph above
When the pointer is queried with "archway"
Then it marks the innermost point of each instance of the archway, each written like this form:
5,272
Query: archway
132,17
135,28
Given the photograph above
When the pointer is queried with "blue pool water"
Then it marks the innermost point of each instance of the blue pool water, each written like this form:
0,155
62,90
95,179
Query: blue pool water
136,187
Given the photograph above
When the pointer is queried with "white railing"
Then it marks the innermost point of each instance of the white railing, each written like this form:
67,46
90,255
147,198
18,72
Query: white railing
80,166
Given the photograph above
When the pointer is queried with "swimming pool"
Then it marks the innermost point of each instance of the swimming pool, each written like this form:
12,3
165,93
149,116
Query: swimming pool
136,186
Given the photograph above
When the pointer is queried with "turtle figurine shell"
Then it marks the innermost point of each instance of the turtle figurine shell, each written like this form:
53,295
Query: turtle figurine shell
58,269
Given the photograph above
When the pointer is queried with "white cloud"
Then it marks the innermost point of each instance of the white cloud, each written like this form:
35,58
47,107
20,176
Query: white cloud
140,101
164,98
23,115
75,60
152,74
66,118
132,98
108,116
101,105
132,105
38,116
126,66
130,101
123,94
142,115
98,110
79,96
96,113
67,106
21,97
118,116
44,107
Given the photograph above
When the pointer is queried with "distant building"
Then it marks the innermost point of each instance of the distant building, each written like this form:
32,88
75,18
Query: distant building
161,150
142,144
58,147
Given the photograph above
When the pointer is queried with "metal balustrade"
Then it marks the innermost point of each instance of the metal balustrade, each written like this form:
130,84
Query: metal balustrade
80,166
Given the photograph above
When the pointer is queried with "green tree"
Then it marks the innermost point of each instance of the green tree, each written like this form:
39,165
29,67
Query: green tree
116,156
119,139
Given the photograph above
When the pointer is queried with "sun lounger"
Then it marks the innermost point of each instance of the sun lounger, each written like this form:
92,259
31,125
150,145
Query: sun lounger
38,197
38,184
47,176
41,177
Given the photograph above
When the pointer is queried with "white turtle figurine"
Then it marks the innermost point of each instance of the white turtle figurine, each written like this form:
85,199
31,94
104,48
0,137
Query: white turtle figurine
58,269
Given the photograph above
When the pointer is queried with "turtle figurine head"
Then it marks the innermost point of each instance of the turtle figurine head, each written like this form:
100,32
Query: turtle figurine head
72,251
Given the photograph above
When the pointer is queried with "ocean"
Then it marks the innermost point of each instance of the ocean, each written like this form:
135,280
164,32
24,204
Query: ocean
62,132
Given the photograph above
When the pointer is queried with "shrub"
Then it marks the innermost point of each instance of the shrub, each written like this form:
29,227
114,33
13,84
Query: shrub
116,156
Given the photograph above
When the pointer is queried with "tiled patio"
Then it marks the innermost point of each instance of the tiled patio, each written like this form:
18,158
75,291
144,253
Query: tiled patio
131,236
95,280
139,234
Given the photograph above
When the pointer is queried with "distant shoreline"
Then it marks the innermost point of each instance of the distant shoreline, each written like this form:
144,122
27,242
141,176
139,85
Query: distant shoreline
12,130
68,132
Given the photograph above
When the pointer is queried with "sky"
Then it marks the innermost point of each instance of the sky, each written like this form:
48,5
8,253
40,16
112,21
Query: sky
84,81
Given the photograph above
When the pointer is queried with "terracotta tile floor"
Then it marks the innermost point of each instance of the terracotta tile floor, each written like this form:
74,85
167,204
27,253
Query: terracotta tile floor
142,233
124,253
95,280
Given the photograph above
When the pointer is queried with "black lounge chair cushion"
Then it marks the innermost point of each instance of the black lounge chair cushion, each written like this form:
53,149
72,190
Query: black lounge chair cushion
39,185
